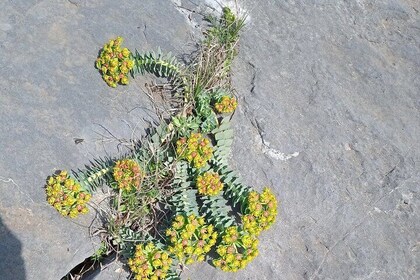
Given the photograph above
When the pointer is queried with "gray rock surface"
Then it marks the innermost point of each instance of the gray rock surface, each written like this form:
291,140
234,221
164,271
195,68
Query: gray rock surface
329,116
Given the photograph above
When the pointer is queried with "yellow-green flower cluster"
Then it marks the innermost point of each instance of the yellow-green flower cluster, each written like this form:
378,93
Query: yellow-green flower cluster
115,63
236,250
262,210
66,195
195,149
209,183
226,104
128,174
190,238
149,262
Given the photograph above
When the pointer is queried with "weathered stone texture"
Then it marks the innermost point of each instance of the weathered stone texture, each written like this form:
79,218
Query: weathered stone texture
329,116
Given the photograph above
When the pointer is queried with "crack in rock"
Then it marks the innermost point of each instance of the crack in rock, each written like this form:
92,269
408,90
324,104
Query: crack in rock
277,154
254,76
209,4
231,4
10,180
264,145
187,13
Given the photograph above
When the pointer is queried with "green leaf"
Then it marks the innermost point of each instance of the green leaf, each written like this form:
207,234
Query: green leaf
226,134
209,123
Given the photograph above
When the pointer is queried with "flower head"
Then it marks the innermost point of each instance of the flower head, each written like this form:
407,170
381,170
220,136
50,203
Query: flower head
236,250
209,183
115,63
149,262
261,211
66,195
128,174
191,238
195,149
226,104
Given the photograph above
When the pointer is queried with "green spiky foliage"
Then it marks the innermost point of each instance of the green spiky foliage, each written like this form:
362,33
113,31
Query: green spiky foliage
162,66
165,66
184,125
235,190
125,238
223,135
158,64
225,29
95,174
205,102
205,112
217,211
184,199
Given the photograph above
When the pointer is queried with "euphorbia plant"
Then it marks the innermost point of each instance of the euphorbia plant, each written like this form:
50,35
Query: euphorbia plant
66,195
115,62
173,198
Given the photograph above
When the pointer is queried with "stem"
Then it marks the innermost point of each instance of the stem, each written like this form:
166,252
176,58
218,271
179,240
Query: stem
96,176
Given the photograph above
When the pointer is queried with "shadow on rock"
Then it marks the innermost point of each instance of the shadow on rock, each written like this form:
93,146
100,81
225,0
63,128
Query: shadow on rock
11,262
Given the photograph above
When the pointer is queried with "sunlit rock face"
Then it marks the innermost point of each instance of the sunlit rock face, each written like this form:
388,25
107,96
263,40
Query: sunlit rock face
328,117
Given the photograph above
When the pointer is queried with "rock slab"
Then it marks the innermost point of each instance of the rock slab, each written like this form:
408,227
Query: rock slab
328,116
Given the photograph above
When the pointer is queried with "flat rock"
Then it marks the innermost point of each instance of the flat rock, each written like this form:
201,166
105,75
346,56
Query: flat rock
328,116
